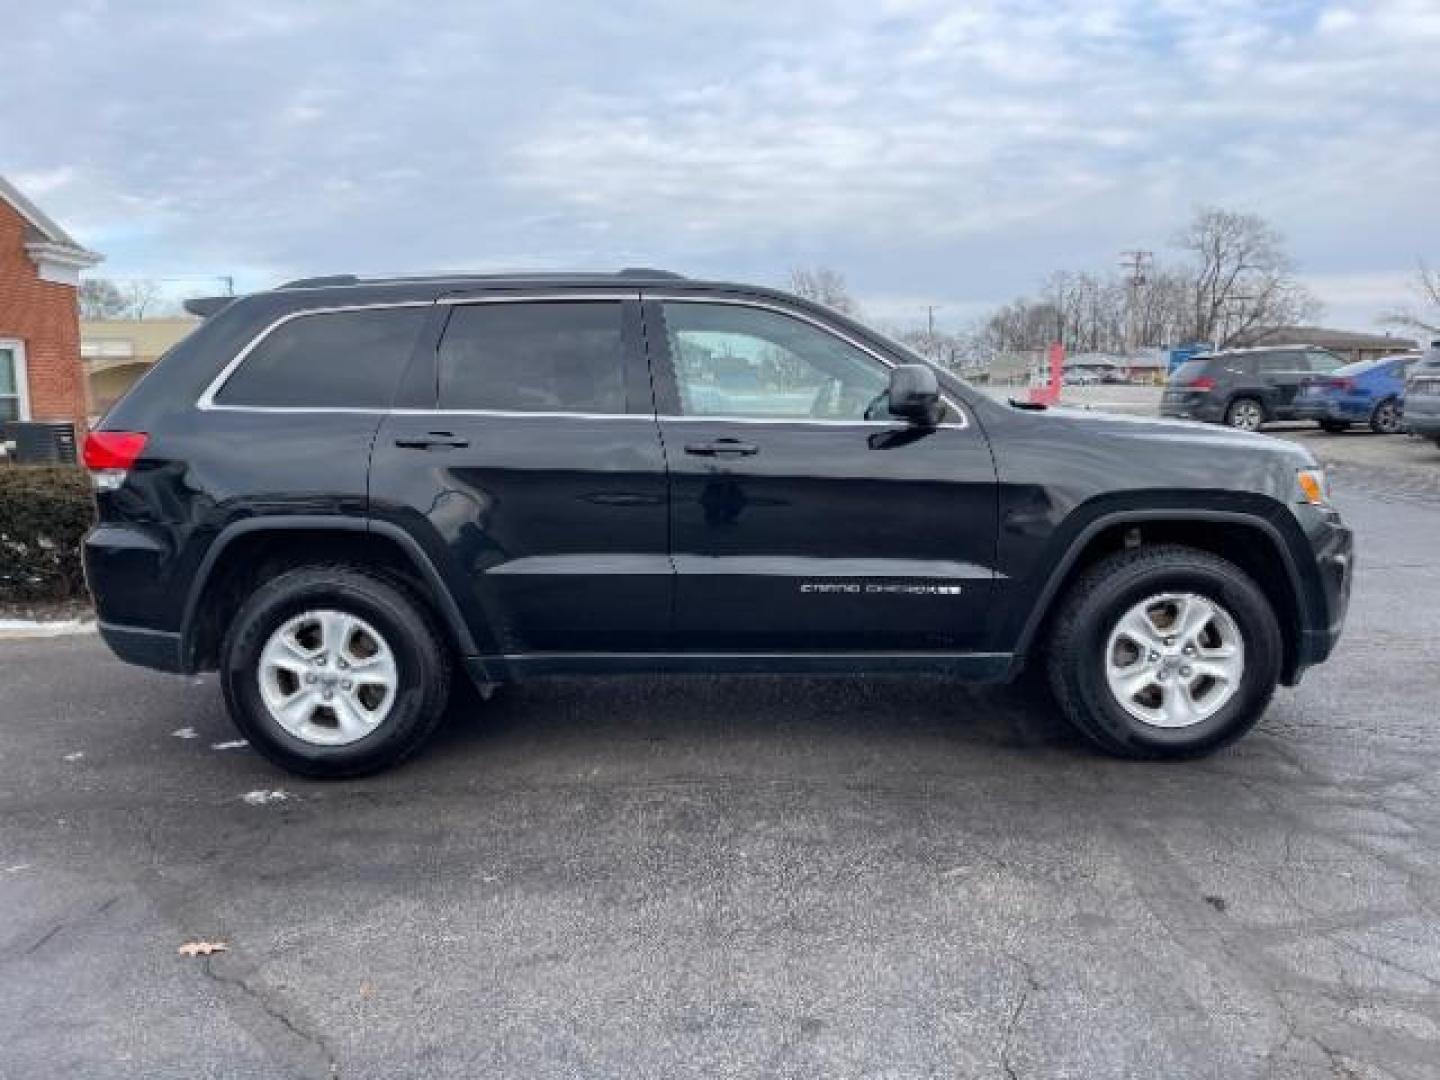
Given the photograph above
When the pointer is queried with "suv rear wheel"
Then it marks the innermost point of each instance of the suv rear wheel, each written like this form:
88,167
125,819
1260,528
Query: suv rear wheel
333,672
1245,413
1164,652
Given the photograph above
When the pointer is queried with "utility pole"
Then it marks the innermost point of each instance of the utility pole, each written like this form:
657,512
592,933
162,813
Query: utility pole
1137,261
930,343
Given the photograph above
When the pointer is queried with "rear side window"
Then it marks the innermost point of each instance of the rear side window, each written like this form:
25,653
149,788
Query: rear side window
337,360
1276,363
534,356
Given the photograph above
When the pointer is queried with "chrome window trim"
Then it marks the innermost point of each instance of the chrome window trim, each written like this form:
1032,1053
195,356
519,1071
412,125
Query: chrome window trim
669,297
652,417
518,414
806,420
206,401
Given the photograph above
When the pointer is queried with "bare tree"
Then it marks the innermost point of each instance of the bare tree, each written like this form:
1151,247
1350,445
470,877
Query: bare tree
140,295
1238,278
1427,320
1241,277
101,298
824,286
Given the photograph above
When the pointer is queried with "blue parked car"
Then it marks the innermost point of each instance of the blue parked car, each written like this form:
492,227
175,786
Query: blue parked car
1368,392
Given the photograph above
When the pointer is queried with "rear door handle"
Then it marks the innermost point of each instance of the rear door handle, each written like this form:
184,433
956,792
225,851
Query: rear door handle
722,448
433,440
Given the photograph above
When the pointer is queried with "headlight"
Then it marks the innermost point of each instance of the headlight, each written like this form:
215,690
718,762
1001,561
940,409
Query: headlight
1314,488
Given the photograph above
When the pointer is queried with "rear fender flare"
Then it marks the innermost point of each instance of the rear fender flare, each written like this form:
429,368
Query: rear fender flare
447,609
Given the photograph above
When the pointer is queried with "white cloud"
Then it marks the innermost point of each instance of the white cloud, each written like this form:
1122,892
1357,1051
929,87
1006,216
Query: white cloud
923,147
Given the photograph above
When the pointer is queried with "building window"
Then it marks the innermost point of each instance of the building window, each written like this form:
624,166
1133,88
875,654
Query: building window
13,401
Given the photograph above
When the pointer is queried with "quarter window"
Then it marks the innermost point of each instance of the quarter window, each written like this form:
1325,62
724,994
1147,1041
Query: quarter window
534,356
340,359
734,360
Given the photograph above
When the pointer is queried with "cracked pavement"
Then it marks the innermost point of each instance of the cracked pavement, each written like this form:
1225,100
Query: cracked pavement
647,877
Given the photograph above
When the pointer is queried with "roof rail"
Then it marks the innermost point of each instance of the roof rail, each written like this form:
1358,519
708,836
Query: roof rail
336,280
321,282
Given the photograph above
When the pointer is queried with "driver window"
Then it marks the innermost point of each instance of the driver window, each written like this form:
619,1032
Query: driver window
733,360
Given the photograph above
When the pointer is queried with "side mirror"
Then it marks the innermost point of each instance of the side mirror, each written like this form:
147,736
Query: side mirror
914,394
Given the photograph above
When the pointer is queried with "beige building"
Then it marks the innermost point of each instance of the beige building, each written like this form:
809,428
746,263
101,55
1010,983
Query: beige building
116,352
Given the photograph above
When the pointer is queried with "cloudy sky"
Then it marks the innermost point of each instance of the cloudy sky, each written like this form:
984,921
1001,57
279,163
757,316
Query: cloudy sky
947,153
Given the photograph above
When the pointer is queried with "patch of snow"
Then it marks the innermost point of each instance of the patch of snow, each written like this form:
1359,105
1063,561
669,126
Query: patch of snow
234,744
35,628
185,733
262,797
76,756
17,868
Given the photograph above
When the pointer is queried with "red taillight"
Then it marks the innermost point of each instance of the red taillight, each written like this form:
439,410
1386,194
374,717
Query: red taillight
1204,382
113,449
1343,385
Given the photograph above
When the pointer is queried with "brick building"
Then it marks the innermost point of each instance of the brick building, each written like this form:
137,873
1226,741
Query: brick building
41,377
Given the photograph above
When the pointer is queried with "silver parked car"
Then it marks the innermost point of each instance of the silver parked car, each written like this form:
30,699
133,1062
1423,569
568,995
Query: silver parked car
1422,396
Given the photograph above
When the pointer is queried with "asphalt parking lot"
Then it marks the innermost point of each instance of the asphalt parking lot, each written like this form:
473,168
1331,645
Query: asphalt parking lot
880,877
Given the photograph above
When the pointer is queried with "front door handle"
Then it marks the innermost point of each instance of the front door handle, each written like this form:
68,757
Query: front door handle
722,448
432,440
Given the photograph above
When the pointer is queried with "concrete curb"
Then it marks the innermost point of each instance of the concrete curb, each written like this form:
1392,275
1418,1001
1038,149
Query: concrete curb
25,629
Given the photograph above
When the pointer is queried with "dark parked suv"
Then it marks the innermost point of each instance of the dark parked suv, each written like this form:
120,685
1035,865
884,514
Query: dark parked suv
1422,396
1245,387
337,491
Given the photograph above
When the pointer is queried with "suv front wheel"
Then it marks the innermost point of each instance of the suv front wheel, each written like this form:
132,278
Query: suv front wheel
332,672
1164,652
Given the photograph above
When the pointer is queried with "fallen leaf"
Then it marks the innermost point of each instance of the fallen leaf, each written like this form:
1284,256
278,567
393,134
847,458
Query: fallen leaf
367,989
203,948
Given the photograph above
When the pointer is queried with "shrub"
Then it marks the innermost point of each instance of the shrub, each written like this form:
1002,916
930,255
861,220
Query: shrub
44,512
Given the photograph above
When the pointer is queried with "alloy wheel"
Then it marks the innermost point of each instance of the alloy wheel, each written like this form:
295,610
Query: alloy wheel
1246,415
327,677
1174,660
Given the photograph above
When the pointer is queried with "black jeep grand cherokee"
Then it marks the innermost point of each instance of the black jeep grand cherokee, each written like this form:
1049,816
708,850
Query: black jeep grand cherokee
337,491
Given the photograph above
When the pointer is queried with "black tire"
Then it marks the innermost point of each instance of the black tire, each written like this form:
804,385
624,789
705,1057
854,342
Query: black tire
1105,592
422,662
1245,413
1386,419
1334,427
